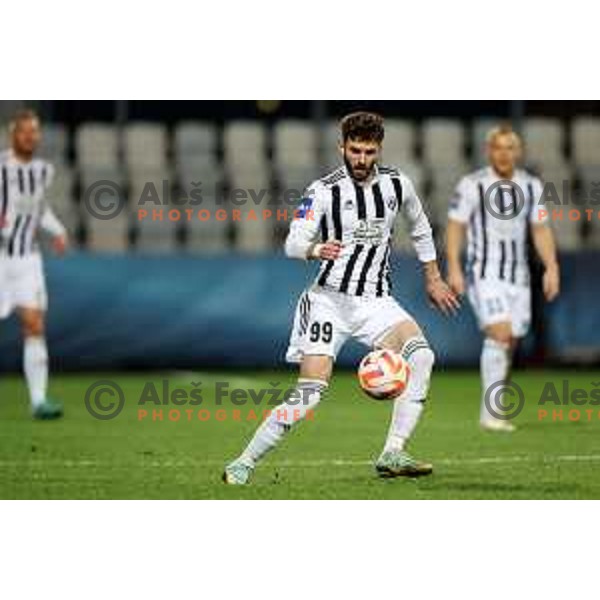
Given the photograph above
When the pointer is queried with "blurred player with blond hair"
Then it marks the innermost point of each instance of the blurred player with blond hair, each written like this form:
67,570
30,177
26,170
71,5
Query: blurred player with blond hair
24,211
495,208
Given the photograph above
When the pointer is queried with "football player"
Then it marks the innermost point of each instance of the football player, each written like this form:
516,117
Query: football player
495,208
345,221
24,211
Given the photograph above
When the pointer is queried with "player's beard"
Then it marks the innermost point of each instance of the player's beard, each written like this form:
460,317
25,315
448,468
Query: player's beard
363,175
24,154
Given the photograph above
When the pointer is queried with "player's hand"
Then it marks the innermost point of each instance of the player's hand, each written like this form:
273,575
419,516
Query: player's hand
551,283
60,244
328,251
456,281
441,296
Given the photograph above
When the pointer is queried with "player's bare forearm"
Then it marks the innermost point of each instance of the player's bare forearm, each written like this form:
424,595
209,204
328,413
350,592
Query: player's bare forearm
454,241
543,240
440,295
455,234
545,246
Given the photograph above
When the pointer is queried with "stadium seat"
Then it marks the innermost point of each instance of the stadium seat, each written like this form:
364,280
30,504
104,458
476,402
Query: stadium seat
146,147
61,199
294,181
330,142
253,236
99,189
295,145
200,236
544,141
585,141
556,174
54,144
245,146
97,146
147,190
444,179
199,167
568,232
589,179
207,181
399,142
100,192
156,236
108,236
415,172
195,138
206,236
443,142
195,148
95,174
254,178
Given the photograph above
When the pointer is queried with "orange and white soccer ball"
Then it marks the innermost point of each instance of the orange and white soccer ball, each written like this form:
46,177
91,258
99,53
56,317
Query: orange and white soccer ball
383,374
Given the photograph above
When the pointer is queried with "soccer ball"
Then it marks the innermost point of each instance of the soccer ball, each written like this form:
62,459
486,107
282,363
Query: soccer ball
383,374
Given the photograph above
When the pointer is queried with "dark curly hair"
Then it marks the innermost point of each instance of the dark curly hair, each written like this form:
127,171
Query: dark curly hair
362,127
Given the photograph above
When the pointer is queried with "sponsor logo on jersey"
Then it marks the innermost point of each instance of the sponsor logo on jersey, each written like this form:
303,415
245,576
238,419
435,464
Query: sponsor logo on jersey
392,202
304,207
369,231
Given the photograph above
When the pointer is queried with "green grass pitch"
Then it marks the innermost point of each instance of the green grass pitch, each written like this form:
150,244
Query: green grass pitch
330,457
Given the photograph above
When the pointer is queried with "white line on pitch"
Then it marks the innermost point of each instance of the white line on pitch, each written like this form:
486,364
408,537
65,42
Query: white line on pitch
499,460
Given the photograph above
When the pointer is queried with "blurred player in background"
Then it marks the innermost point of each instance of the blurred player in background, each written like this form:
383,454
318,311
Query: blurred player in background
346,221
496,218
24,182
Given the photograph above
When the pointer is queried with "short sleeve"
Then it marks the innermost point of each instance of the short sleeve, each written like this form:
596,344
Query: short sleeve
538,214
49,174
461,204
305,225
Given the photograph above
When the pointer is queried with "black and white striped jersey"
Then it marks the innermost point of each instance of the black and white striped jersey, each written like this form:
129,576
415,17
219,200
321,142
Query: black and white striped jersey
362,216
497,217
23,205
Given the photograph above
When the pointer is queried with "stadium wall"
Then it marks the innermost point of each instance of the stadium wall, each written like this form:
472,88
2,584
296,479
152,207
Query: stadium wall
139,312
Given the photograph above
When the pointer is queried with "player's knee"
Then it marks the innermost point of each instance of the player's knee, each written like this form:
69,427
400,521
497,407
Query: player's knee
500,335
33,326
302,402
316,368
419,354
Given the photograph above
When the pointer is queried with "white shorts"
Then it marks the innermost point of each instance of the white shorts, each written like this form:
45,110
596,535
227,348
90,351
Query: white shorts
22,284
325,319
501,302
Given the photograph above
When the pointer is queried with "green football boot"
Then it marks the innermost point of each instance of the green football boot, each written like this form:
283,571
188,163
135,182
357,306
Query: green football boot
237,473
48,410
397,463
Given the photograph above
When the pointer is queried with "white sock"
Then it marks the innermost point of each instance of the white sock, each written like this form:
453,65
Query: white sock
281,419
495,364
35,365
409,406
